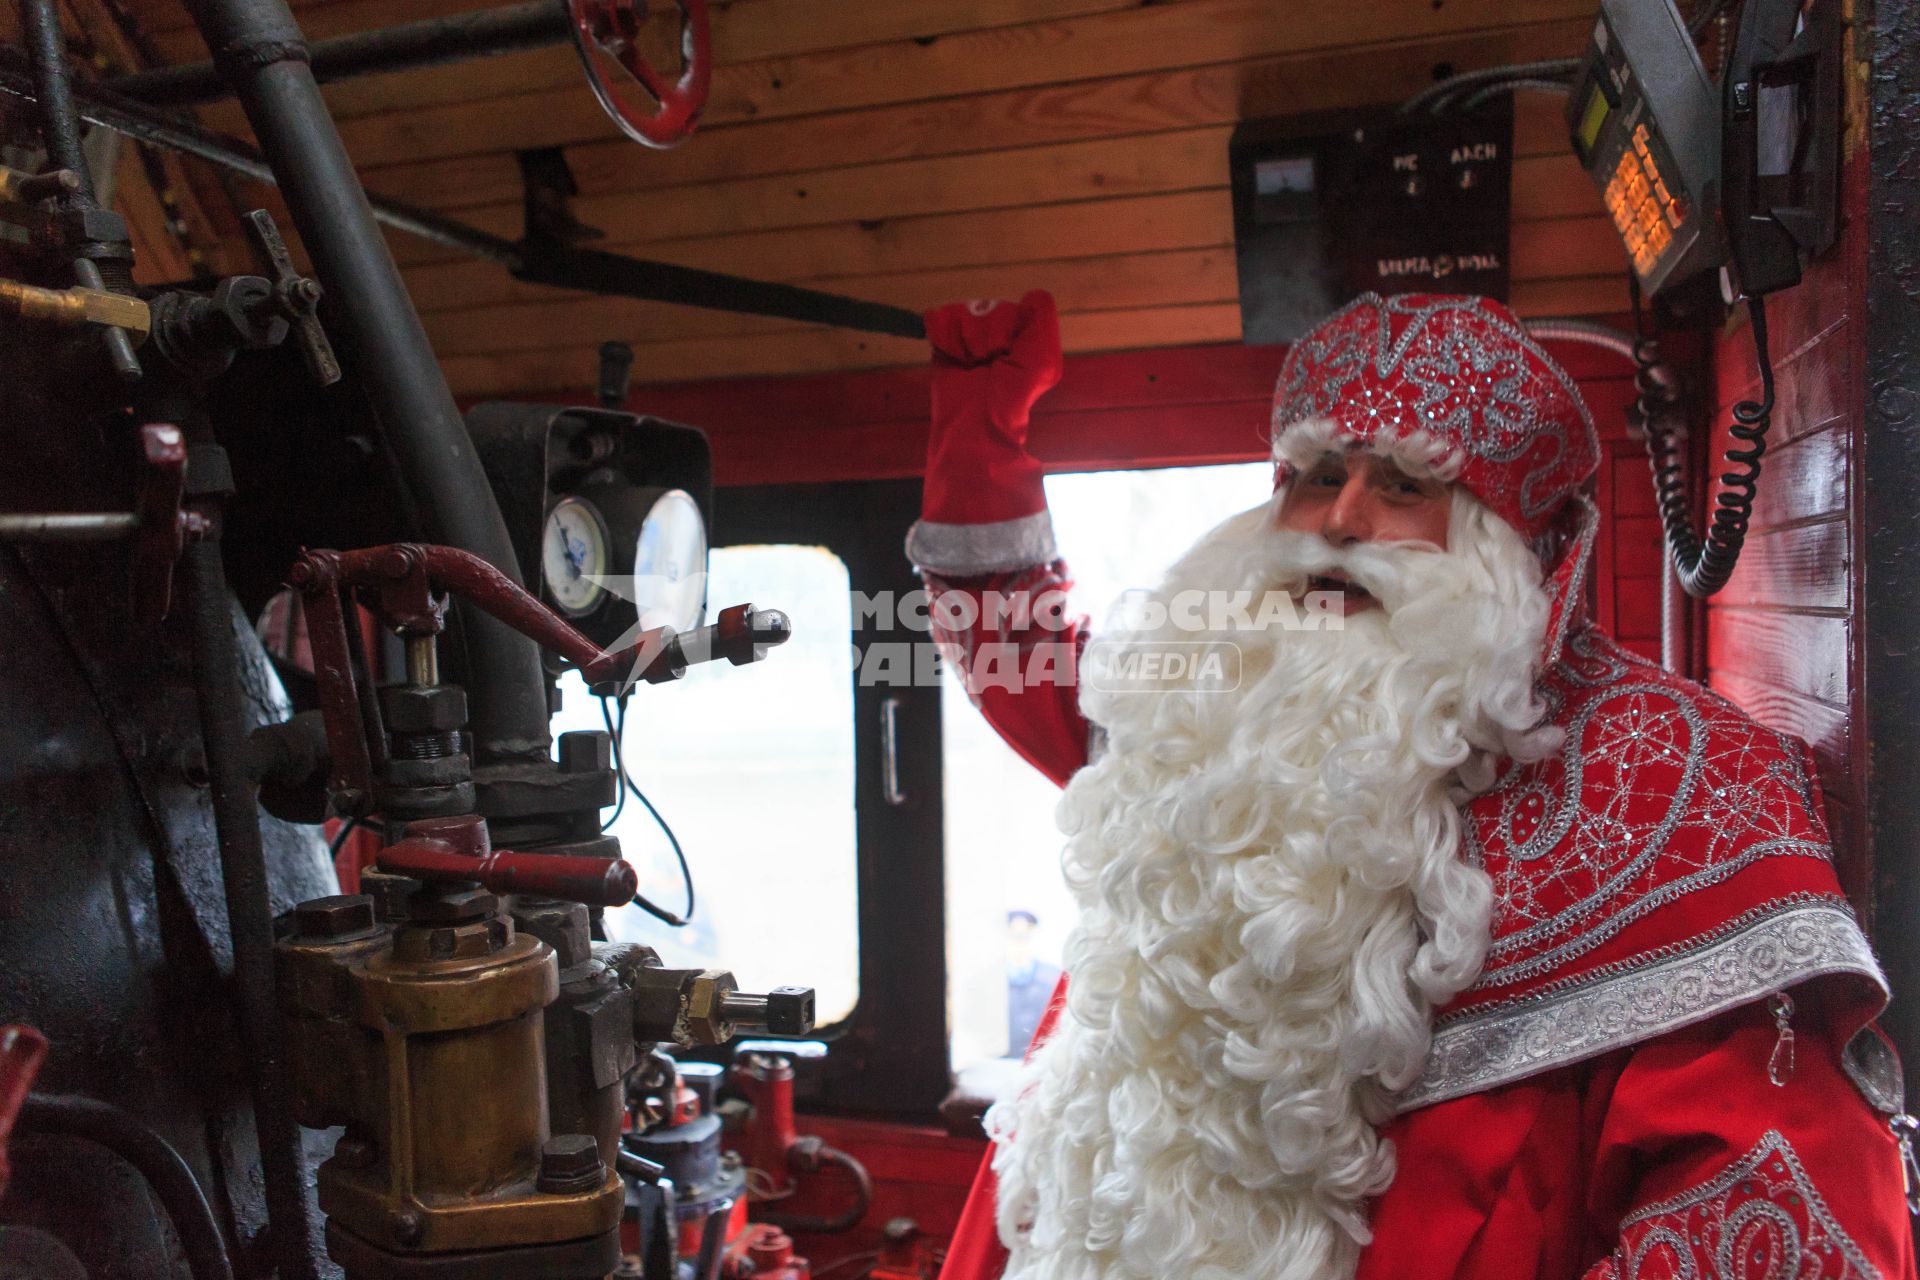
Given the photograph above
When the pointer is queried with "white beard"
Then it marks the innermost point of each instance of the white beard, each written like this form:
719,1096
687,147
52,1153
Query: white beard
1272,903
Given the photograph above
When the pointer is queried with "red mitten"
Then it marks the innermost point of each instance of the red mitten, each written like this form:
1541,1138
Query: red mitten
984,509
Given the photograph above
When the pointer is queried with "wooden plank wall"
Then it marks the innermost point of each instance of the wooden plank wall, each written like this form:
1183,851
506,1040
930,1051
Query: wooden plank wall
917,151
1783,639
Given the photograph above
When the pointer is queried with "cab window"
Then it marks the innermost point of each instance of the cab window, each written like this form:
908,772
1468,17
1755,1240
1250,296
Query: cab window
1008,911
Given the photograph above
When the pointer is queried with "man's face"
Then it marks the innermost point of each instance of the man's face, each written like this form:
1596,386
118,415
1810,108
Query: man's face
1350,496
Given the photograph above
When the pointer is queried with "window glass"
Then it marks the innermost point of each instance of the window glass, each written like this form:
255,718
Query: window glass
1008,910
753,768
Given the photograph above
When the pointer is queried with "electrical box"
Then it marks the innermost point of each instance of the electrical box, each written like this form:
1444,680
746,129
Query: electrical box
1328,207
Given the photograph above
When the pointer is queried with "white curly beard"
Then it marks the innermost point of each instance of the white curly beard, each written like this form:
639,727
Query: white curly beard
1272,903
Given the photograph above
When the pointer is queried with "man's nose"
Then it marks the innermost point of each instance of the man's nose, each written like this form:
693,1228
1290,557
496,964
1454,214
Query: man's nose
1350,518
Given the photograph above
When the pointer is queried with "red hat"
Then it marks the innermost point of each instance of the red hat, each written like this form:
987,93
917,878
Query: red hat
1461,371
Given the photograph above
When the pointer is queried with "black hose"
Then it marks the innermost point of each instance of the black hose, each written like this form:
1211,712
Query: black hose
847,1221
1703,565
165,1170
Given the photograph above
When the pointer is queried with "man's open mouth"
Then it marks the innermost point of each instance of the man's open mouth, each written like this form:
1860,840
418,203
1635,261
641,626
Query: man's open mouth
1354,593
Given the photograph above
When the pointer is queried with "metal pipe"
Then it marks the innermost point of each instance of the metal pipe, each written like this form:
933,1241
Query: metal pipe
567,267
243,874
429,43
53,90
423,659
64,526
157,1160
60,130
261,53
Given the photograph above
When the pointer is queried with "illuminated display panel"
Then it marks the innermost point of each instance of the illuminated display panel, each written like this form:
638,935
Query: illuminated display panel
1644,211
1592,119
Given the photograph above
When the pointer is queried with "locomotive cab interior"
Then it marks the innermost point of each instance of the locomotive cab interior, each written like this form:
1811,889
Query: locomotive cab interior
482,790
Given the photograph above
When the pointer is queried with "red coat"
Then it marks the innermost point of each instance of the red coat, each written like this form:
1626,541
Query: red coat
1627,1110
1667,1067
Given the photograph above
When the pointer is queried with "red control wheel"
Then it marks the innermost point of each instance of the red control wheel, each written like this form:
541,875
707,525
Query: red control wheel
610,29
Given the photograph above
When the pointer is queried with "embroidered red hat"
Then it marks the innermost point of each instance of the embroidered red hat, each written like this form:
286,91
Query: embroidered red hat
1461,372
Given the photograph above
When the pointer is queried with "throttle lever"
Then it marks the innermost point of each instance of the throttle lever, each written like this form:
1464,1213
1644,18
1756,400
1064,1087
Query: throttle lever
458,850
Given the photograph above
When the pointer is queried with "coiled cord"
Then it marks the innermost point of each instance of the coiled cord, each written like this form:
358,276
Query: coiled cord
1703,565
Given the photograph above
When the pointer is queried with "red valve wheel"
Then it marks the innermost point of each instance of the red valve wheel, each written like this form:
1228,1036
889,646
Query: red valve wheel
604,29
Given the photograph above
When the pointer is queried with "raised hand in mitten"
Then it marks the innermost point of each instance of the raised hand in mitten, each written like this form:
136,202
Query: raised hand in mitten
984,508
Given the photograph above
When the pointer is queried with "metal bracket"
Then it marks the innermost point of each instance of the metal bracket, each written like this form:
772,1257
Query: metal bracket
547,189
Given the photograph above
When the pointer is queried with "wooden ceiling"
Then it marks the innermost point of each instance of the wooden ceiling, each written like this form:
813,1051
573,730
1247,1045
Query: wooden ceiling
907,151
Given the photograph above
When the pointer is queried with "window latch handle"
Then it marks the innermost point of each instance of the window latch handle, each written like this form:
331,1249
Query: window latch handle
890,752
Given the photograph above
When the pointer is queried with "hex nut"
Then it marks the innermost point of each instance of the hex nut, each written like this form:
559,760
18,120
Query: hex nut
462,940
340,915
423,708
586,751
659,1003
564,926
570,1164
705,1023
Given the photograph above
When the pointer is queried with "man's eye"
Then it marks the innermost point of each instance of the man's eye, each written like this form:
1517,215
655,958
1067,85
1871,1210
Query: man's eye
1326,479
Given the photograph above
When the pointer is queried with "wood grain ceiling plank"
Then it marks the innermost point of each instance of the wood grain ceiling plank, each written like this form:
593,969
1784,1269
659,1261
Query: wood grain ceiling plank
816,351
1093,228
903,188
1083,284
1130,41
1543,187
1151,103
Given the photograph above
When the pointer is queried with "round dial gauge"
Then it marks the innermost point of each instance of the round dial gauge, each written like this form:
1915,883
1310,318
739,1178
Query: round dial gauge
574,556
670,563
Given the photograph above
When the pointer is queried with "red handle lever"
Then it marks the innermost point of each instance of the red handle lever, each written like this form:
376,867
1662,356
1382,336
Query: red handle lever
429,854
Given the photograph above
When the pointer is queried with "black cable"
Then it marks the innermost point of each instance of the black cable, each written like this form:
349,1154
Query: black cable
165,1170
627,784
1703,565
1434,96
347,828
1498,87
808,1224
620,806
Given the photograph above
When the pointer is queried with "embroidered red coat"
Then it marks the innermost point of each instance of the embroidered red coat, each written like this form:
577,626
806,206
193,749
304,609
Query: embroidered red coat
1667,1068
1601,1104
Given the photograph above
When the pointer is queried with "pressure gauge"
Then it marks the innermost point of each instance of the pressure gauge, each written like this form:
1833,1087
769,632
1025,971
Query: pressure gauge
670,562
575,553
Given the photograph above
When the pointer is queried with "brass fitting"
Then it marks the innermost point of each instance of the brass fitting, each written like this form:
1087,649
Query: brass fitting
425,1041
76,307
706,995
